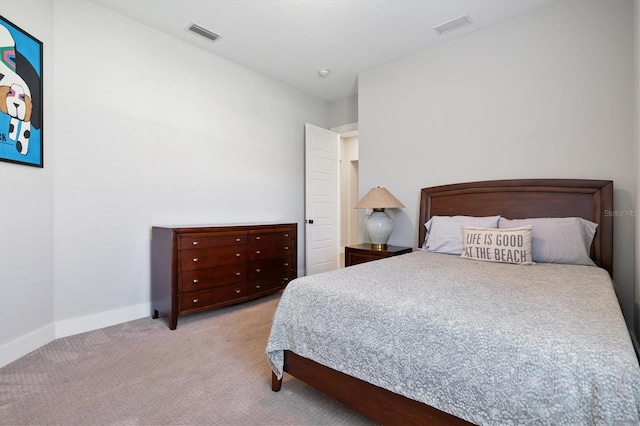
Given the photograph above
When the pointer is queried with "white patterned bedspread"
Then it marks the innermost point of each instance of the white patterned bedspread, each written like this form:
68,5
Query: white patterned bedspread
491,343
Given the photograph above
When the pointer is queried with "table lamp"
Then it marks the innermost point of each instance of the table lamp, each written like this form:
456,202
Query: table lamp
378,224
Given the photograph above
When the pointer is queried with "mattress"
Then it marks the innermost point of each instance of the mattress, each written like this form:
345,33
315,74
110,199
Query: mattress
490,343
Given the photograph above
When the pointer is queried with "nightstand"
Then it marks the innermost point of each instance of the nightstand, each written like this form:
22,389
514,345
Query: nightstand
361,253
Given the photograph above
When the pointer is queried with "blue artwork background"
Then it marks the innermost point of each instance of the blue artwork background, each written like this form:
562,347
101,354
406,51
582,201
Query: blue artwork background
31,50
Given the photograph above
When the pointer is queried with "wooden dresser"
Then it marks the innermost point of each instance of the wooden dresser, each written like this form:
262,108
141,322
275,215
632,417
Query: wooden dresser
196,268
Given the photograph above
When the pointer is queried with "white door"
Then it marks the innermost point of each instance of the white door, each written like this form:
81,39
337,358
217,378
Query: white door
322,226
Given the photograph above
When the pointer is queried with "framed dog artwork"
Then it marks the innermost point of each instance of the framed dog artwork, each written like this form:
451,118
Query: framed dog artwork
20,96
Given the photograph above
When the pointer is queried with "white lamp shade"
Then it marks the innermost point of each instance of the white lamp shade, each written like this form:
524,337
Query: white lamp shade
379,198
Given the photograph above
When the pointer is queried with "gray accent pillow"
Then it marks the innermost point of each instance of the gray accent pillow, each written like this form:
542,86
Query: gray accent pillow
444,233
558,240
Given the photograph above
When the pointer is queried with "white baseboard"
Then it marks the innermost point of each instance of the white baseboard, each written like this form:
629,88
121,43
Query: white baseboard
32,341
20,347
100,320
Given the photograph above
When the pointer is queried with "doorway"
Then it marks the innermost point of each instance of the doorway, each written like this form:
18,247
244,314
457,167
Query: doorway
348,177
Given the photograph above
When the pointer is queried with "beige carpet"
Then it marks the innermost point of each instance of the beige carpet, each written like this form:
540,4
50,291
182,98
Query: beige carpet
212,370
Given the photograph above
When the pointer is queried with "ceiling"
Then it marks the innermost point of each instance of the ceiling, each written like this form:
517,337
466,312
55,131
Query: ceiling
291,40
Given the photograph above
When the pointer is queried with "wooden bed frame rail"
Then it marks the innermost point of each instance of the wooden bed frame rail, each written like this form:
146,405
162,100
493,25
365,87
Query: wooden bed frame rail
378,404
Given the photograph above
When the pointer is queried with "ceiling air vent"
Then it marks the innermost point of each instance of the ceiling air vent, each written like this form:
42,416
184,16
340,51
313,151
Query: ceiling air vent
203,32
453,24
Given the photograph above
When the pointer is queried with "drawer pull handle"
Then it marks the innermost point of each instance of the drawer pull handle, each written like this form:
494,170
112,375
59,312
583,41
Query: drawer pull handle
238,274
196,281
195,300
286,247
286,264
258,270
237,240
238,291
286,279
286,235
195,243
237,254
258,286
258,237
195,259
257,251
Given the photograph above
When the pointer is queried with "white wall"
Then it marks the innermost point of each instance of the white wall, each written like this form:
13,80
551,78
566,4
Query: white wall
147,131
547,94
343,111
26,216
159,133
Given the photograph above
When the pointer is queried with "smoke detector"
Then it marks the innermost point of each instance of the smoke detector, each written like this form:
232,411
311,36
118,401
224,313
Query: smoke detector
324,73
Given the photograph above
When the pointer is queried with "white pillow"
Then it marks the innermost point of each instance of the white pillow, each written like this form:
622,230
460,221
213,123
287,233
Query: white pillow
558,240
497,245
444,233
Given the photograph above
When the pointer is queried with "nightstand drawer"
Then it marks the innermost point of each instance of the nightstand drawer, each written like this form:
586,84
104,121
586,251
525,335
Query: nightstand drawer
362,253
356,258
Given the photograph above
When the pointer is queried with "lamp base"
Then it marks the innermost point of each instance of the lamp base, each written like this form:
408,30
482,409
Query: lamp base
379,227
378,247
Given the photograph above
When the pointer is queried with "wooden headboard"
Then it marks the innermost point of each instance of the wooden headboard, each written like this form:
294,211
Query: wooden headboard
528,198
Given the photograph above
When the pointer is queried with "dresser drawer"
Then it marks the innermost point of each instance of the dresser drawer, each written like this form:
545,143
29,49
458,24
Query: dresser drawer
200,279
269,268
207,258
215,296
266,286
268,275
284,236
267,251
193,241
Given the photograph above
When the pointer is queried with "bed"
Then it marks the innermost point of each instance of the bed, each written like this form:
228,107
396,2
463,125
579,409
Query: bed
434,338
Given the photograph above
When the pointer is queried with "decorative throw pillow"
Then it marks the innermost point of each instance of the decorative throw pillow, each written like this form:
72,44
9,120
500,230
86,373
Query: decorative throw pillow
558,239
497,245
444,233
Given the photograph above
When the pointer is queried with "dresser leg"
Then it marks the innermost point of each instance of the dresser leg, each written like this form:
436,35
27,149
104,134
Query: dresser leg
173,322
155,314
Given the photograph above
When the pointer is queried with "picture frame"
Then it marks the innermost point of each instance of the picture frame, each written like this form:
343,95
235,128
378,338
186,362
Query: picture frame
21,94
